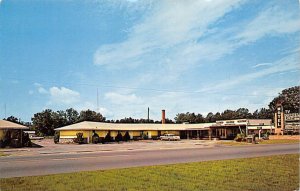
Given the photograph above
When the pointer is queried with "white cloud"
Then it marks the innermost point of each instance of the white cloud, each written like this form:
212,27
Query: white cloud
272,21
163,33
261,64
179,39
42,90
122,99
63,96
288,63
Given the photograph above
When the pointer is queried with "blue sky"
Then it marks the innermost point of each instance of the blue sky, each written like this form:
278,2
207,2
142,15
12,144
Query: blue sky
196,56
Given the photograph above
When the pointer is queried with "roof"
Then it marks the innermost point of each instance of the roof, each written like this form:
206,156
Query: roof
87,125
11,125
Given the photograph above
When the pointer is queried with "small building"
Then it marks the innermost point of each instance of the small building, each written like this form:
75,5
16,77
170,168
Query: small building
10,127
228,129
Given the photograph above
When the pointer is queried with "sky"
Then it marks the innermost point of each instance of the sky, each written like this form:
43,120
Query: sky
119,57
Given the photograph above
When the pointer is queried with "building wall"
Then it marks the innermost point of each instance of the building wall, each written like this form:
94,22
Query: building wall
1,134
101,133
260,121
86,134
171,132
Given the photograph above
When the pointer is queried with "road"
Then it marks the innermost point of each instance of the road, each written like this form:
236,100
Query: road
17,166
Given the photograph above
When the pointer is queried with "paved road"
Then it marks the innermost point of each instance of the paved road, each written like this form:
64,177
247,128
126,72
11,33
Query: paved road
16,166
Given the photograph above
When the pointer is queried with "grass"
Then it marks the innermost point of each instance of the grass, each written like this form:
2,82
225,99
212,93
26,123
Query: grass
263,173
2,154
275,141
279,141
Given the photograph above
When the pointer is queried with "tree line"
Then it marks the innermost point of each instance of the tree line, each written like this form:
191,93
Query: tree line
46,121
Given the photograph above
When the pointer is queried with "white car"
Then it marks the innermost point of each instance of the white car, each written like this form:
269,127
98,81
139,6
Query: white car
169,137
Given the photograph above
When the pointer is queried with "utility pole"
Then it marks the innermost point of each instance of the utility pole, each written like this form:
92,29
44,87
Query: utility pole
148,114
97,101
5,110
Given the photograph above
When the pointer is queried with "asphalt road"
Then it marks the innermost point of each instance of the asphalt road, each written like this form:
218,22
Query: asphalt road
16,166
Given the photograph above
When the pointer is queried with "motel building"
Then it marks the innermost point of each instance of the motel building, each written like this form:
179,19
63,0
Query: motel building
227,129
10,128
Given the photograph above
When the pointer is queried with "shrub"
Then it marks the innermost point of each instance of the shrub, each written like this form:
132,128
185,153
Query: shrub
56,137
126,136
95,138
119,137
2,145
79,138
108,138
145,136
240,137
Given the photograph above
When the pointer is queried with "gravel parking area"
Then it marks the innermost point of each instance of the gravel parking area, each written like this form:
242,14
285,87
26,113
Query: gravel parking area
48,147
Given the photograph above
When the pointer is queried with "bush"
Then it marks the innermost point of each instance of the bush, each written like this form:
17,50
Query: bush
79,138
2,145
56,137
108,138
240,137
119,137
145,136
95,138
126,136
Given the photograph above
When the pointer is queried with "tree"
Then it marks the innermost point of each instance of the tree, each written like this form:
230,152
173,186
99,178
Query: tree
228,114
210,117
44,122
243,113
72,116
89,115
189,118
263,113
12,119
290,98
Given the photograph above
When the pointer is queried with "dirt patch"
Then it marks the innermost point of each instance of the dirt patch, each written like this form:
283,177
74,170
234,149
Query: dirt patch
289,137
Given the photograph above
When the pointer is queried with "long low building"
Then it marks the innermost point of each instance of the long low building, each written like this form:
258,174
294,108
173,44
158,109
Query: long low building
226,129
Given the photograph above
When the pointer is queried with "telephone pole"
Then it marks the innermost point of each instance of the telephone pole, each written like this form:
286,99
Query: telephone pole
97,101
5,110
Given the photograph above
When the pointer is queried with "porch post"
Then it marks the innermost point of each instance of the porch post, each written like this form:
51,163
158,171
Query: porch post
21,138
209,134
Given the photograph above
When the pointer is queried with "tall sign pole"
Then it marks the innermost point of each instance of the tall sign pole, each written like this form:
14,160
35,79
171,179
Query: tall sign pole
279,118
97,101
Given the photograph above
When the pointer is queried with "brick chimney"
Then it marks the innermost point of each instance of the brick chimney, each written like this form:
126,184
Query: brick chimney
163,116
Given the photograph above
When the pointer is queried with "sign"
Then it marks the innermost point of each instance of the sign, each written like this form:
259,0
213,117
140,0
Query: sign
292,117
278,113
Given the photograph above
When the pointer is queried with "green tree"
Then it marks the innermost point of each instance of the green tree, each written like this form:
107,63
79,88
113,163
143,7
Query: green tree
263,113
12,119
43,122
243,113
210,117
89,115
289,97
189,118
72,116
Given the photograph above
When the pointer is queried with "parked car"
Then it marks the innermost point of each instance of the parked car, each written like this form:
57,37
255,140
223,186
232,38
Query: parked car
169,137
